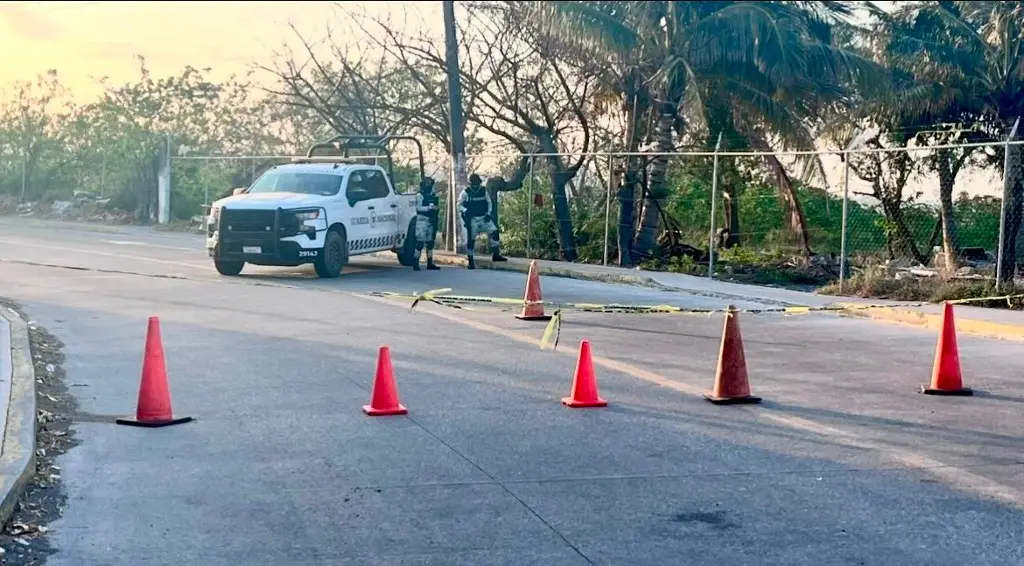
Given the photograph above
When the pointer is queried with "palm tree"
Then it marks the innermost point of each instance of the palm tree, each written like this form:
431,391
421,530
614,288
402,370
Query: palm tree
966,64
758,51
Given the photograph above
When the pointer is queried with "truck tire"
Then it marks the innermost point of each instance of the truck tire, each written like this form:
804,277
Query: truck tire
229,268
407,254
334,256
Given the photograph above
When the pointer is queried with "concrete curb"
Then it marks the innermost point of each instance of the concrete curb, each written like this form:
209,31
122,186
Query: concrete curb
523,266
18,451
932,321
515,264
895,315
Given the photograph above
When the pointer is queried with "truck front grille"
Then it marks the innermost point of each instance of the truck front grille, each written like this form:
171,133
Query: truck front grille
241,221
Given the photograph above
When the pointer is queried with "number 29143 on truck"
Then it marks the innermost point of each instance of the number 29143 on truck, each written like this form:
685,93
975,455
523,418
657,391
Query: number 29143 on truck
312,211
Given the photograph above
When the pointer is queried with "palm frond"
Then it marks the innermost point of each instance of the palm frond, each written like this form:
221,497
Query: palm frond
605,24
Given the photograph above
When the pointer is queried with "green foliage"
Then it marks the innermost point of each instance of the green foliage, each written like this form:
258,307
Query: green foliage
114,146
530,230
769,75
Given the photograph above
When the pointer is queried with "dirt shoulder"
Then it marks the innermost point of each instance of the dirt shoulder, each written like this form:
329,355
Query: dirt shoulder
23,539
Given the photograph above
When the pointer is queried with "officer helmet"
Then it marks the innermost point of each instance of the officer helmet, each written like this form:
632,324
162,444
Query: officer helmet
474,179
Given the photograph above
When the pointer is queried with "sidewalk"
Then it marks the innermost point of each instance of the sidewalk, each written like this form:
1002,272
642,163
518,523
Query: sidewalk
18,406
984,322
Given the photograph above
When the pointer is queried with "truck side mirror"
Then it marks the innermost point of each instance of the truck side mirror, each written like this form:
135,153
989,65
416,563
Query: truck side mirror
238,191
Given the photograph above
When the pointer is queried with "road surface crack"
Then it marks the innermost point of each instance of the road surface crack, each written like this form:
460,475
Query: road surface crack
505,488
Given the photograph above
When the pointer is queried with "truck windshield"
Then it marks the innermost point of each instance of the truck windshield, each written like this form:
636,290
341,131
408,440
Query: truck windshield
323,184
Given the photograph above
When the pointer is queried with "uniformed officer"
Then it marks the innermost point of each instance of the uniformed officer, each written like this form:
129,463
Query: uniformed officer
426,223
476,208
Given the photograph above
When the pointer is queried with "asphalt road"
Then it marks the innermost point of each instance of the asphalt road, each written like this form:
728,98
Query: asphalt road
844,463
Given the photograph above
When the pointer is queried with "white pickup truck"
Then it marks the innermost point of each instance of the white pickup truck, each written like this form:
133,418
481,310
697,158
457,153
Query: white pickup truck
318,210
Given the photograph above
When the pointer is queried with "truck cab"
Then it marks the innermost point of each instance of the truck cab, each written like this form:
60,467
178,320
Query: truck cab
319,210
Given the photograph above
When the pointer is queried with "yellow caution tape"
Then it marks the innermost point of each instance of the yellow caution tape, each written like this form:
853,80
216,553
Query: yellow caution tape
552,332
1007,298
429,296
440,297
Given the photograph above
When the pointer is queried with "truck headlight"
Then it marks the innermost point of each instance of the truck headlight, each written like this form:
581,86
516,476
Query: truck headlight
307,215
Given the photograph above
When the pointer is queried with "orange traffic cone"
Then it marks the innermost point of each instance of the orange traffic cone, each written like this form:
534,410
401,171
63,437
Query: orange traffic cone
533,304
946,377
731,384
384,397
584,382
154,406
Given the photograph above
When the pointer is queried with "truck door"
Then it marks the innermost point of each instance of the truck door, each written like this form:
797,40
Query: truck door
360,199
382,204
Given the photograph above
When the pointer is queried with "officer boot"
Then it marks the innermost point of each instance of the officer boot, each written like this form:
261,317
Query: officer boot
431,266
496,255
471,264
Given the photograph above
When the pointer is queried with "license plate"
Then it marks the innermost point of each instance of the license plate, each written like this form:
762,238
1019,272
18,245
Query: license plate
252,250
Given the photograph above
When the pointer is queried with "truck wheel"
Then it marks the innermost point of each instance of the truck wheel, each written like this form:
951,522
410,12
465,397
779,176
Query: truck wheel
407,255
334,256
229,268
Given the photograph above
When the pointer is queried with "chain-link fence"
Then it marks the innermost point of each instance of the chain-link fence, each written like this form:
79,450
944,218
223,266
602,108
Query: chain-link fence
922,212
918,212
103,188
914,212
935,211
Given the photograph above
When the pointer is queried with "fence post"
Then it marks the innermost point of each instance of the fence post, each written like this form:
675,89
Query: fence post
206,203
1002,207
714,199
529,208
855,143
24,176
846,211
163,189
608,205
103,176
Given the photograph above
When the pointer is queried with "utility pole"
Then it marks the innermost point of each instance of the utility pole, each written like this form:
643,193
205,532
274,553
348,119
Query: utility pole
458,177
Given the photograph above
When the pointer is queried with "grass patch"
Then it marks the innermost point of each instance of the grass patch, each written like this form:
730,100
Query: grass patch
877,283
746,265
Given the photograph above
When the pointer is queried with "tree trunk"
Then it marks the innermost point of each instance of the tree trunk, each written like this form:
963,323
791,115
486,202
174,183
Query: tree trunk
636,108
498,184
795,220
731,212
654,199
627,207
898,236
947,180
729,185
630,179
566,238
1014,191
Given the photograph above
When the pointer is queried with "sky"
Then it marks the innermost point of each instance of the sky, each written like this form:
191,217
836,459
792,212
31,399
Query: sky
88,40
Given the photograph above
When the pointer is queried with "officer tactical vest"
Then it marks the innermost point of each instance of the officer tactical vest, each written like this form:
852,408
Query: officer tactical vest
429,199
476,202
